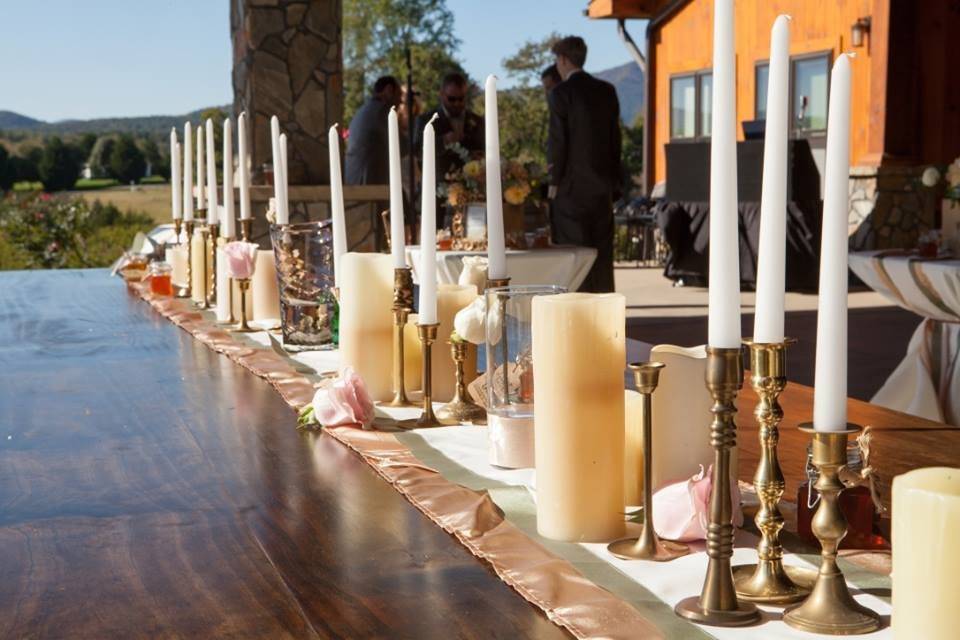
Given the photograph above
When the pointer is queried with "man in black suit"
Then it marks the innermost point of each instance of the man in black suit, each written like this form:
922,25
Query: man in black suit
584,157
457,129
367,160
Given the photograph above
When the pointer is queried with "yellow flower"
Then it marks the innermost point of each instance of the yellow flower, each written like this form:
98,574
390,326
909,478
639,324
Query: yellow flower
953,173
473,169
456,194
516,194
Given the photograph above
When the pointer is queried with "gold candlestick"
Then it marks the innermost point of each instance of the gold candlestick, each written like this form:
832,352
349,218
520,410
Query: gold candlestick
402,305
242,326
246,225
830,609
428,334
186,291
461,409
177,227
648,546
205,236
769,581
214,234
717,604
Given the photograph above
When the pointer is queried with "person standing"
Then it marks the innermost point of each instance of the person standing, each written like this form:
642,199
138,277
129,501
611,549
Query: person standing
368,159
583,151
457,128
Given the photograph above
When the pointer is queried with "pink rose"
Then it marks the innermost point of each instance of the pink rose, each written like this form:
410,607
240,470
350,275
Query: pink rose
682,510
241,259
346,401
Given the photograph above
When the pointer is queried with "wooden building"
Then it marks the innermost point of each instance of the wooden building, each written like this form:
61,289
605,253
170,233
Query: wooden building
905,100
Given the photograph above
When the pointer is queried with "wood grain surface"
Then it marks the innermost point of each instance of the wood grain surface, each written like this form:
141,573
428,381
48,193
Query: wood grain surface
150,488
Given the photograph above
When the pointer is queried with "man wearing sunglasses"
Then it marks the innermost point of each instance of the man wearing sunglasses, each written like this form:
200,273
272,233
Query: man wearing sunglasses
457,128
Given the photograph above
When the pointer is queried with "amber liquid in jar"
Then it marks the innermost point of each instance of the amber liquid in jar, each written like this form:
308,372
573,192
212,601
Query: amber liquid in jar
161,285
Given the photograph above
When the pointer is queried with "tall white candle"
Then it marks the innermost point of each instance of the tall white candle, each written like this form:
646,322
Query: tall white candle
277,165
428,229
213,203
228,226
830,378
201,192
283,204
244,168
188,173
496,246
175,198
337,214
724,294
397,240
768,321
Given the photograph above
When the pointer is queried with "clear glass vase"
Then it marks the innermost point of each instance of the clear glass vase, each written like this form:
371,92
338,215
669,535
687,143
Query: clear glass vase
309,314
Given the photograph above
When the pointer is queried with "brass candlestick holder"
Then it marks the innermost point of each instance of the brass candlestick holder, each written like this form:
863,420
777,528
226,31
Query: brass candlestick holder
461,409
186,290
769,581
402,305
212,249
428,334
648,546
204,294
246,229
242,327
830,609
717,604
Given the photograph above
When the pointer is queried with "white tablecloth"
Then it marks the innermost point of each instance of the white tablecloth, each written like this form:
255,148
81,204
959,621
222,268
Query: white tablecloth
563,266
927,382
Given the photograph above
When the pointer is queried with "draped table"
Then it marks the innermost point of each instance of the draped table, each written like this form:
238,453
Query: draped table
926,383
153,488
565,266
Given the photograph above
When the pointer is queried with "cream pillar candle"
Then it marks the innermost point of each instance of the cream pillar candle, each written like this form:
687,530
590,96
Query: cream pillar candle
451,298
243,169
198,253
412,355
177,257
201,191
366,319
213,202
187,173
264,294
830,371
579,354
768,321
228,225
926,559
632,448
224,303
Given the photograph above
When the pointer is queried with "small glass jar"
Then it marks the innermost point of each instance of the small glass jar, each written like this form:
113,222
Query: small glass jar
856,503
161,278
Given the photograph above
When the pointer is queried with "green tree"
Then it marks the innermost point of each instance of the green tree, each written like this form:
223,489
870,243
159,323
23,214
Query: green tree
6,170
151,153
126,160
59,166
99,158
85,144
632,154
376,34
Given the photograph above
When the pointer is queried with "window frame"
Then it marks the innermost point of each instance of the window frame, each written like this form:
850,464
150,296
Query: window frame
697,104
765,62
795,131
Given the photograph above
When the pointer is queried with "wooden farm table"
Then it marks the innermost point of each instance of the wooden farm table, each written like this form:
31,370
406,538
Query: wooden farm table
152,488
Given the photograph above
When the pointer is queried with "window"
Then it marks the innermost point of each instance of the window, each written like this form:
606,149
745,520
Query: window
691,98
810,78
760,105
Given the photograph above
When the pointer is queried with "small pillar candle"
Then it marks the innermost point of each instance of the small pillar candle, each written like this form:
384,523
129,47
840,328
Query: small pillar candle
264,294
176,256
224,303
926,558
366,319
579,354
199,286
451,298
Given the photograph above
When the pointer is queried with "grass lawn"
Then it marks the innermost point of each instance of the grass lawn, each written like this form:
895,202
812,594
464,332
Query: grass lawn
94,183
153,200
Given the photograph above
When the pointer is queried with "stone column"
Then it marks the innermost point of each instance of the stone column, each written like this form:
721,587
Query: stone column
288,62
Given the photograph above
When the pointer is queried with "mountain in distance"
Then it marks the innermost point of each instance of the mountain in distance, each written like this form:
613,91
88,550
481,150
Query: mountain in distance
140,125
628,80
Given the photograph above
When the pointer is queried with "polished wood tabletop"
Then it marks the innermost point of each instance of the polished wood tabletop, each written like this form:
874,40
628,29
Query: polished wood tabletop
150,488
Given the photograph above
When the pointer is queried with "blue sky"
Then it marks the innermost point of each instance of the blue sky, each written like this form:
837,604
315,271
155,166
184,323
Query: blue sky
105,58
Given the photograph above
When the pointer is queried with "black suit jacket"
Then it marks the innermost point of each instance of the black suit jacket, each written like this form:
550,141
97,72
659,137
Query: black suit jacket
473,138
584,143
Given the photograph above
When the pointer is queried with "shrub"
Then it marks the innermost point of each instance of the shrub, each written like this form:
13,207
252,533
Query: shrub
59,166
127,163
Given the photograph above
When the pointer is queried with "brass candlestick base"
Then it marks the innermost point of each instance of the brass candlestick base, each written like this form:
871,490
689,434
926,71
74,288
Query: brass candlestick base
177,228
214,234
246,226
768,581
717,603
648,546
830,609
461,409
402,305
428,334
186,291
205,235
493,283
242,326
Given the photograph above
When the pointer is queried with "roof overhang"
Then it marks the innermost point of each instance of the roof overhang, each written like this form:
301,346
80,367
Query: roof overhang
624,9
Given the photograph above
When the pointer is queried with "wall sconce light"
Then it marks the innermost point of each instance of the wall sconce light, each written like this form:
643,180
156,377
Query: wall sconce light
859,30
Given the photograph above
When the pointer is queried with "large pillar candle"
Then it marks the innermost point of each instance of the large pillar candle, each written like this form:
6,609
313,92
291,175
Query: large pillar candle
724,278
366,319
579,354
177,257
397,239
213,205
224,303
243,169
176,203
768,321
228,225
830,377
451,298
187,173
926,558
337,213
428,229
201,192
263,288
496,245
198,253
